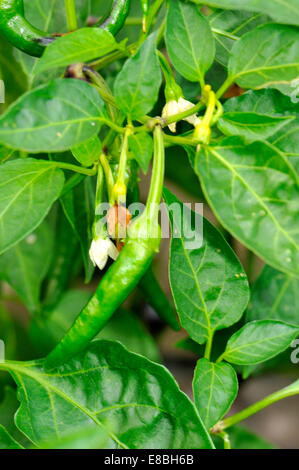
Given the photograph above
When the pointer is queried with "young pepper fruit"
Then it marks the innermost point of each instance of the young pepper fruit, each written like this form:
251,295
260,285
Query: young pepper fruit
124,274
24,36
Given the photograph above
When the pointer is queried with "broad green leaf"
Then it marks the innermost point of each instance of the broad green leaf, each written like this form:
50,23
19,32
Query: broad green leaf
8,408
7,441
267,55
28,188
53,117
258,341
215,387
137,85
270,101
78,206
25,265
141,146
11,74
89,437
124,326
88,152
251,126
236,23
274,297
6,153
137,402
208,283
189,40
80,46
49,16
253,191
279,10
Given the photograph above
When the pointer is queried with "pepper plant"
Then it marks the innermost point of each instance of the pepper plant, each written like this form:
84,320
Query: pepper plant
95,100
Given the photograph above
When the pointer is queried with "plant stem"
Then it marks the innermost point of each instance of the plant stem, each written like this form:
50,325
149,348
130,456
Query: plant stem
155,192
209,346
289,391
225,85
225,34
76,168
123,157
108,176
71,15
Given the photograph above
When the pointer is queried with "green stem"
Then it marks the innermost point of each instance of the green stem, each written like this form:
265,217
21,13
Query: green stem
208,348
108,176
76,168
123,157
225,34
225,85
103,89
226,441
71,15
289,391
156,187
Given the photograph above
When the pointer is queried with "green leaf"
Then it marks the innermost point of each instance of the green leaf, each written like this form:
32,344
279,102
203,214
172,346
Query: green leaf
25,265
271,101
281,11
124,327
267,55
208,283
274,297
189,40
7,441
5,153
78,206
258,341
141,146
253,191
28,189
88,152
235,22
251,126
53,117
49,16
137,85
215,387
8,408
137,402
79,46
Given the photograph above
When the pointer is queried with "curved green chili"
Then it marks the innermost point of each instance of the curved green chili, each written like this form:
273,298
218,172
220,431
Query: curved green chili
24,36
124,274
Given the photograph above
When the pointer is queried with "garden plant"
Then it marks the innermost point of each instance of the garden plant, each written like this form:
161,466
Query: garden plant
107,110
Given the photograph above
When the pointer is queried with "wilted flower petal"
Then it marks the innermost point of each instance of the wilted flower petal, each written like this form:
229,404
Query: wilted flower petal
100,250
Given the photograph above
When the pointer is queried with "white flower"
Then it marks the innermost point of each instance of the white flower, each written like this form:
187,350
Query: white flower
174,107
99,251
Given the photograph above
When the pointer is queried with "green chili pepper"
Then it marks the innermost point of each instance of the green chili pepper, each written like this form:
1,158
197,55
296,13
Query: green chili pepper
117,17
24,36
124,274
